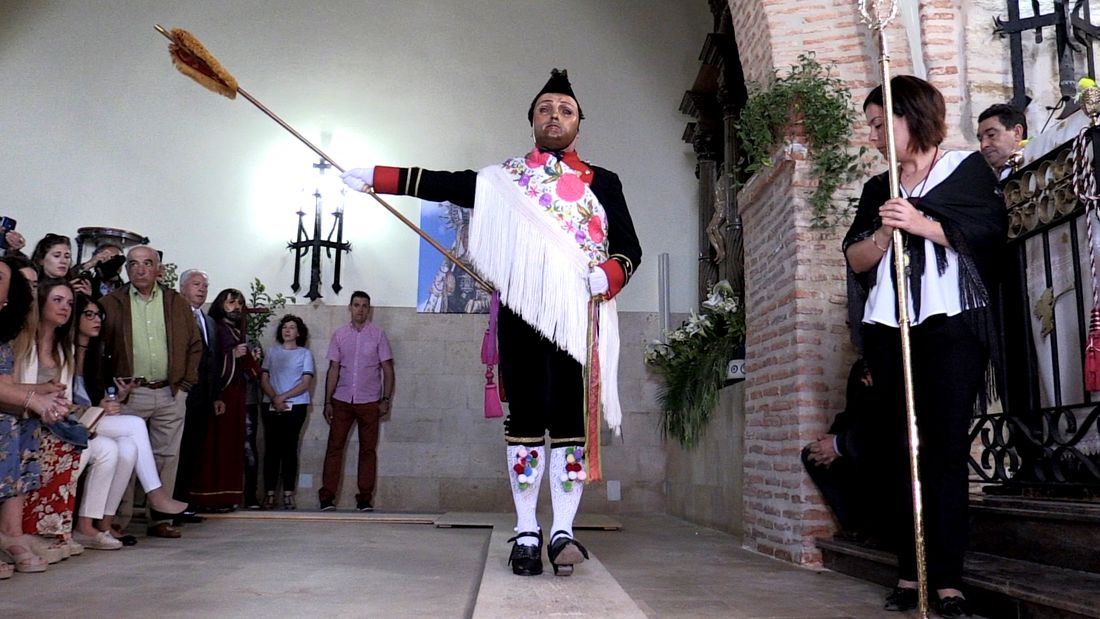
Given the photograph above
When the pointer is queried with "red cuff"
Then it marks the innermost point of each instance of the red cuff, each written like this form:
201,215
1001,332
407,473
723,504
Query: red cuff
616,277
386,179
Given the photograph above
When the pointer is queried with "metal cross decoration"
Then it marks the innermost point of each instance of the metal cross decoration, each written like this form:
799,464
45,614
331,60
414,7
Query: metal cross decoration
1074,33
304,244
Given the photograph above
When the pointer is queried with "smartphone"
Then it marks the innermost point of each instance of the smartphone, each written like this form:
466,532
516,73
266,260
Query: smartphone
7,224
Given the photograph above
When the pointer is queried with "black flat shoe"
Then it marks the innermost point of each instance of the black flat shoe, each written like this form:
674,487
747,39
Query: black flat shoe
128,540
187,517
526,560
565,552
954,606
901,599
158,515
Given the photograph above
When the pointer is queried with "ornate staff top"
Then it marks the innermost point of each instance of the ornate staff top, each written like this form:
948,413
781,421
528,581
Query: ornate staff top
875,15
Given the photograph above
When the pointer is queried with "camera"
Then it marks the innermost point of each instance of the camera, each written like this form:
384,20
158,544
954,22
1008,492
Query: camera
7,224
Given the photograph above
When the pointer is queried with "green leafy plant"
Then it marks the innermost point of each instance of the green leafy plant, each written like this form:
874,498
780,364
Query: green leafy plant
259,299
171,274
692,361
809,94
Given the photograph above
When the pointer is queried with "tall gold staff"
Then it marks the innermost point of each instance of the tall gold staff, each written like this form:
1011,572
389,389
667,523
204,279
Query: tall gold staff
194,61
877,16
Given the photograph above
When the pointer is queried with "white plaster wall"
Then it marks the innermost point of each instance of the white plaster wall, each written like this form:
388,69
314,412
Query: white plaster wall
99,129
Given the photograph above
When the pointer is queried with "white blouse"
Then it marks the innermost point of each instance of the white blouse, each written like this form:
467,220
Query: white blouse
939,294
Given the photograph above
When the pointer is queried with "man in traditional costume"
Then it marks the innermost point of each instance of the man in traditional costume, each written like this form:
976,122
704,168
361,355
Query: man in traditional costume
554,235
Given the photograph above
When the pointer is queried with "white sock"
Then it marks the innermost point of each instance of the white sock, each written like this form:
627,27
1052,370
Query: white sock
525,488
567,475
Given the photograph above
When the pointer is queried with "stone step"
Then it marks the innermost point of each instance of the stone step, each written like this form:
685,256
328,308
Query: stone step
997,586
1051,532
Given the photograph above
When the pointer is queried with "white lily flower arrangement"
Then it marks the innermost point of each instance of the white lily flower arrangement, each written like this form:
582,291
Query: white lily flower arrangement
692,361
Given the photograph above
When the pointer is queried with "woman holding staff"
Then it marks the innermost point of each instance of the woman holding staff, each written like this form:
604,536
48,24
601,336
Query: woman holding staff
953,227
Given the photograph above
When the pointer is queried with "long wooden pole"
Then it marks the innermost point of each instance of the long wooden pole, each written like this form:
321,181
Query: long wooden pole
871,11
367,190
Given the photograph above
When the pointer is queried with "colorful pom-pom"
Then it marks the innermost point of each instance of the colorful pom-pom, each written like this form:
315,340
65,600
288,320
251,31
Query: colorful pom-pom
581,476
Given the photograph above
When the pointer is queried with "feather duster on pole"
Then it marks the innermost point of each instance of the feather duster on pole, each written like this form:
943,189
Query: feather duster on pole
192,59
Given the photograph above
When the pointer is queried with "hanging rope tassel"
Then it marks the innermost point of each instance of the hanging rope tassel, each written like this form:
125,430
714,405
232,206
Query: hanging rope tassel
1084,188
490,356
1092,353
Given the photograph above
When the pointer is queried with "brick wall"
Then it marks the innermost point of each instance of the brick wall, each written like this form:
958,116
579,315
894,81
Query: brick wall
797,353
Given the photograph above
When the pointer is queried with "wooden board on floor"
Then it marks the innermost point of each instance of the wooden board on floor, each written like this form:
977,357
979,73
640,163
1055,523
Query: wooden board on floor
334,516
590,592
600,522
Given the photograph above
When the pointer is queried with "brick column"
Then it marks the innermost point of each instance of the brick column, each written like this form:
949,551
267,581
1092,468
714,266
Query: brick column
798,353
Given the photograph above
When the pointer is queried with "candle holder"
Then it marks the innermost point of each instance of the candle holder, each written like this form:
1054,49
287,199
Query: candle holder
305,244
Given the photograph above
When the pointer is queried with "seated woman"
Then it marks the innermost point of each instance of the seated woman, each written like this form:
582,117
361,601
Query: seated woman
103,490
43,355
21,408
53,259
286,381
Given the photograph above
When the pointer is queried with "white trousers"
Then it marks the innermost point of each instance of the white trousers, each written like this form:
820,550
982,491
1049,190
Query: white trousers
100,463
135,454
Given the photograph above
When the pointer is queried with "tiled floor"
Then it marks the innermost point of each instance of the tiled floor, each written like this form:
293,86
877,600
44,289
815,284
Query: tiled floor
363,567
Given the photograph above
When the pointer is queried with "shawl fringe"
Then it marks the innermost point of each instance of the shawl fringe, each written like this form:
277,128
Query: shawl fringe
542,276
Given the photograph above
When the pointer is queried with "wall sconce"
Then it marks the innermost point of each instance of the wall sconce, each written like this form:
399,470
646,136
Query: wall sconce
313,245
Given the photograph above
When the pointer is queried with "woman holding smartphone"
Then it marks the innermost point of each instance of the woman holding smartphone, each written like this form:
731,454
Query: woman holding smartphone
286,380
103,493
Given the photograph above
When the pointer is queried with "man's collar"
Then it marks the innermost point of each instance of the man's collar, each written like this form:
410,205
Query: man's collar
134,292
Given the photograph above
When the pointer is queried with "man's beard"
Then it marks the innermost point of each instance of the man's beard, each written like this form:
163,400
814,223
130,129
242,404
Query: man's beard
233,317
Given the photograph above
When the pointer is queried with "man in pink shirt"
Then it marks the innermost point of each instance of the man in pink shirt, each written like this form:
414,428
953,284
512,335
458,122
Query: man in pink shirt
358,389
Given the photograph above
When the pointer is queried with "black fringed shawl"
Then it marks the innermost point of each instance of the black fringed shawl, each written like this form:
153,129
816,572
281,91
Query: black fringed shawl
975,224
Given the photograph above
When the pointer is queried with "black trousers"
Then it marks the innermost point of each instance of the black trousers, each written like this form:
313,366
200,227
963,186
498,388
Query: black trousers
282,432
544,386
849,490
948,364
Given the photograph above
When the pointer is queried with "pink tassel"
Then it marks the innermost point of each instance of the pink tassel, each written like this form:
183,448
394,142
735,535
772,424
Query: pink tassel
489,353
1092,353
490,356
492,398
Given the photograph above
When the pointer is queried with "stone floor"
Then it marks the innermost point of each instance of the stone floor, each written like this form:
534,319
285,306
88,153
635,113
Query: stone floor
403,566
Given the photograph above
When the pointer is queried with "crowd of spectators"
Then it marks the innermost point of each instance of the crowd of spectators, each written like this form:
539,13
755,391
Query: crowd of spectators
105,382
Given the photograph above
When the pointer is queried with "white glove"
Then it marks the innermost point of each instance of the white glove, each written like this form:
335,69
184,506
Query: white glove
597,282
358,178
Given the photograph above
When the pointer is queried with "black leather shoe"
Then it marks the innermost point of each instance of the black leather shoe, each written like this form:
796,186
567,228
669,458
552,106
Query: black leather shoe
128,540
526,560
901,599
165,516
954,606
187,517
565,552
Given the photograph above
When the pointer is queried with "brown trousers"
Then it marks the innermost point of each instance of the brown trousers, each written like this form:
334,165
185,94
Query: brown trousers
366,416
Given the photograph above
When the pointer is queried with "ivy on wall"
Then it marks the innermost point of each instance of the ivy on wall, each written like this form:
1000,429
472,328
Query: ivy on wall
810,96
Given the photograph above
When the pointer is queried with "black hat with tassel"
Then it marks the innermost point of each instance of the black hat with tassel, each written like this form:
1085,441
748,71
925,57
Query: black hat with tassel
557,84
